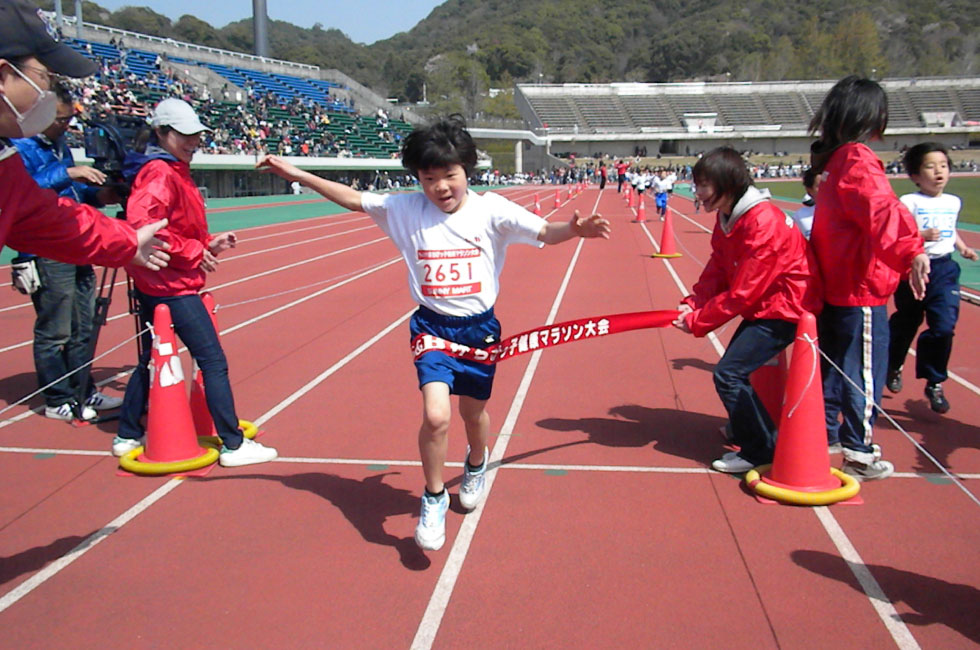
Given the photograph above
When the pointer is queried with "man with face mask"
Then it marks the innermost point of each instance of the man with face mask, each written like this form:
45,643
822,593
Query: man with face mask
37,221
65,299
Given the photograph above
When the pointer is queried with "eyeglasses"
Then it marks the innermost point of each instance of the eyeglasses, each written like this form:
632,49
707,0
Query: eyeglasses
47,78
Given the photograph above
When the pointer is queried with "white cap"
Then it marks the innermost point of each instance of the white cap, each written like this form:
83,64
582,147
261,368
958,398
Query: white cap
178,115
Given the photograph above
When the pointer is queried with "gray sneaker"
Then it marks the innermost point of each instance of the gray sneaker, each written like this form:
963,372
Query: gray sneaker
868,471
473,488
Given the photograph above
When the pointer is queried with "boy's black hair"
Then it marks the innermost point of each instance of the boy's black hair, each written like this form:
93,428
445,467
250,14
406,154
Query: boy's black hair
62,92
855,110
445,143
809,177
914,156
724,169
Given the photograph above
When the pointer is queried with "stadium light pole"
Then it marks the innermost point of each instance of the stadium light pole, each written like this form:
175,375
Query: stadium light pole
260,28
78,19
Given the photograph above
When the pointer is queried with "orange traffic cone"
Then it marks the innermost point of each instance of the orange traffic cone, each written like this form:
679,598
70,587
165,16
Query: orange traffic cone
641,211
667,248
769,383
800,473
537,205
170,433
203,423
630,197
557,198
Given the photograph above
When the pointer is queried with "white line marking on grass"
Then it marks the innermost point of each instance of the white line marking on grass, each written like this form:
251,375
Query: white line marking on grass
436,609
87,545
886,611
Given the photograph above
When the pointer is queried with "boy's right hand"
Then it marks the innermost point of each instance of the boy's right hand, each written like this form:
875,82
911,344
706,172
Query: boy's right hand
278,166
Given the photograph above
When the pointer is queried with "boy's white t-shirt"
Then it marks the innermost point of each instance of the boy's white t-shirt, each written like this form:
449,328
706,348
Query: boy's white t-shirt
935,212
454,260
804,219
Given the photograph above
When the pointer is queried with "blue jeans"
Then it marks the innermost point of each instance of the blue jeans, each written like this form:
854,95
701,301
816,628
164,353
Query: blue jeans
941,309
753,344
65,305
856,339
193,325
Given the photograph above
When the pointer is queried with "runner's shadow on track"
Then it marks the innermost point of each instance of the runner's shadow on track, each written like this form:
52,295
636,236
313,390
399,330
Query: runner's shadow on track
934,601
37,558
366,504
941,434
15,387
677,433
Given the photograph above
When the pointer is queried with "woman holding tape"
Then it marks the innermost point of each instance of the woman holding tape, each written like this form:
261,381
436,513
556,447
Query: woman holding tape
758,270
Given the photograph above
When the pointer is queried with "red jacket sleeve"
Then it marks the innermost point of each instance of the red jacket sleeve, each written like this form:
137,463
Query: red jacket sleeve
38,221
153,197
757,266
713,279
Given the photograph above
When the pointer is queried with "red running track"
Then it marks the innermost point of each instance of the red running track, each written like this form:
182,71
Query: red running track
603,527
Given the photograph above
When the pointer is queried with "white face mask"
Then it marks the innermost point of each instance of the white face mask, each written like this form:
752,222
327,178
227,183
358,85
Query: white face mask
40,115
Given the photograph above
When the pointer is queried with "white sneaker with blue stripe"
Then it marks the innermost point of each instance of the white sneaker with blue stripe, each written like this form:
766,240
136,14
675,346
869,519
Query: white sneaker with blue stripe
430,534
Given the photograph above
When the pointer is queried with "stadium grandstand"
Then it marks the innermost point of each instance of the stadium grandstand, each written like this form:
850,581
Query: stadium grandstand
330,122
620,119
254,104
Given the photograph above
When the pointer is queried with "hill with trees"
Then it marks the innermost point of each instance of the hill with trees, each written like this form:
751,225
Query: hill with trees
465,47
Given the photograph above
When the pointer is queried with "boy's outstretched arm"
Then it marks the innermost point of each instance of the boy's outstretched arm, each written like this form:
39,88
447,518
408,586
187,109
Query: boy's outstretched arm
336,192
577,226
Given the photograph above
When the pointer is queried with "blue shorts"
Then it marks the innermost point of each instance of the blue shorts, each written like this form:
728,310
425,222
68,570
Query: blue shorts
463,377
661,199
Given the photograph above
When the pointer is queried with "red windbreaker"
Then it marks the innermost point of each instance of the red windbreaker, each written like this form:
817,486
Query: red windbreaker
863,238
38,221
164,189
758,269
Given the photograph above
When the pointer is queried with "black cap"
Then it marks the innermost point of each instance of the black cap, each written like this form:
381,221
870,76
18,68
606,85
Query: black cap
25,32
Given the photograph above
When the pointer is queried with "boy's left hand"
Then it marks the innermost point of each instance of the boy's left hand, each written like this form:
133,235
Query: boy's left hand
589,227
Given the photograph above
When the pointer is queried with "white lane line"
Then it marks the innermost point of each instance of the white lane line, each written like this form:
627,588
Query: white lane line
436,609
886,611
85,546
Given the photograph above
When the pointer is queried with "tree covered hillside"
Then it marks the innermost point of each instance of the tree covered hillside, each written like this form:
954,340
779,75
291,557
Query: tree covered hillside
466,46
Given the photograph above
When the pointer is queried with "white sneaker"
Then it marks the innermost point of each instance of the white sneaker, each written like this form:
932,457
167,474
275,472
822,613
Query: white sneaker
473,488
102,402
732,463
122,446
249,453
66,412
430,534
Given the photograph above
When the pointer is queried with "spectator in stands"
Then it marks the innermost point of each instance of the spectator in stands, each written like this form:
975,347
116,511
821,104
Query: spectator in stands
162,185
759,270
935,213
36,221
804,216
864,239
65,301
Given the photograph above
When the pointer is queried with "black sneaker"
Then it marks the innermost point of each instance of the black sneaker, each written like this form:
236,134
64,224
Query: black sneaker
894,382
937,400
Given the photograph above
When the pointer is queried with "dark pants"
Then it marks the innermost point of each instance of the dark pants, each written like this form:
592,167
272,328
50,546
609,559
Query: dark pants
195,329
65,305
856,339
941,310
753,344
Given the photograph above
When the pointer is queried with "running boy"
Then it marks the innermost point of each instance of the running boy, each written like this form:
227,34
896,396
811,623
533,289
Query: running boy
453,242
927,164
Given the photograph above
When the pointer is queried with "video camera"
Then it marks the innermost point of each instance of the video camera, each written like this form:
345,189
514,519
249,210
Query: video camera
108,138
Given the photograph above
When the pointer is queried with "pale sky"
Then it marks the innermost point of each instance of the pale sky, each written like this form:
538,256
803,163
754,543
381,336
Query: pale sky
363,21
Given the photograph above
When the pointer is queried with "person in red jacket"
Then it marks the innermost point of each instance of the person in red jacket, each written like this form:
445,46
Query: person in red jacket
162,185
33,220
758,270
864,240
